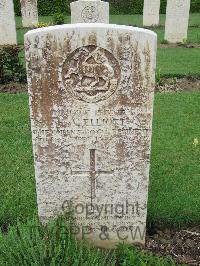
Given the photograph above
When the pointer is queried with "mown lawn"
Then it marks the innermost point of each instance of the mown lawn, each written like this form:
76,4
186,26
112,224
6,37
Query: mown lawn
176,61
136,20
174,196
174,192
194,19
193,34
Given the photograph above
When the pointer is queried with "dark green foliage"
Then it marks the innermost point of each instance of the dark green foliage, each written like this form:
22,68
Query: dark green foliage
50,7
33,244
58,19
11,69
136,6
195,6
163,4
17,7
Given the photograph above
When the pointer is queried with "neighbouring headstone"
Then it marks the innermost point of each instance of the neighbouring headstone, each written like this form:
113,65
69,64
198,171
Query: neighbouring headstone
29,13
89,11
91,89
151,12
177,17
7,23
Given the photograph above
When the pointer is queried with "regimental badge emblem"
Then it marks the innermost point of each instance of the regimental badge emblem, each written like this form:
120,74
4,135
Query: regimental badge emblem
90,14
91,73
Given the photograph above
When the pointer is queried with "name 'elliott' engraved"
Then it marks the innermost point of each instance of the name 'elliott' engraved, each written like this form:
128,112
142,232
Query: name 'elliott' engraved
91,89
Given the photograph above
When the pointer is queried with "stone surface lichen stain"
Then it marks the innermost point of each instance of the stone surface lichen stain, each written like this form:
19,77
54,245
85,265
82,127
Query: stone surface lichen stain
29,13
91,102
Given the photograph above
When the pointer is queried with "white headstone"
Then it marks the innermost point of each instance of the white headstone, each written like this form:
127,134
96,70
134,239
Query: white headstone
7,23
151,12
29,13
177,17
89,11
91,89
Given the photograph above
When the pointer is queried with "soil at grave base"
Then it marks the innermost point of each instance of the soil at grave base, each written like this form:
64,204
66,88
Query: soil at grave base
165,85
179,45
13,87
183,245
189,84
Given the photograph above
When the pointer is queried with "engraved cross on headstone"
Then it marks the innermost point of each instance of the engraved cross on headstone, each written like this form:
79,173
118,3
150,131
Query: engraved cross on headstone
93,173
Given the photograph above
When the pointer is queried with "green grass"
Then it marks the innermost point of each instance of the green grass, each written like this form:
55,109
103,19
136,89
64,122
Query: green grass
17,191
134,19
174,196
137,19
32,244
193,33
178,61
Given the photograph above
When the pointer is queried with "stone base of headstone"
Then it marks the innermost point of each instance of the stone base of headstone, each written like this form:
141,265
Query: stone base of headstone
92,11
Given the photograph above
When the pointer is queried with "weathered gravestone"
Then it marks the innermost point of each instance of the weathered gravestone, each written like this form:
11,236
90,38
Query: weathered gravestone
7,23
177,17
29,13
89,11
151,12
91,89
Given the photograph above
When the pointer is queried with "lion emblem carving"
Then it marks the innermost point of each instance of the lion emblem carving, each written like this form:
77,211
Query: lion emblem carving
92,73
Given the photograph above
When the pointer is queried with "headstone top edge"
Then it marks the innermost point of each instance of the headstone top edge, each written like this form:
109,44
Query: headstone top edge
89,1
92,26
